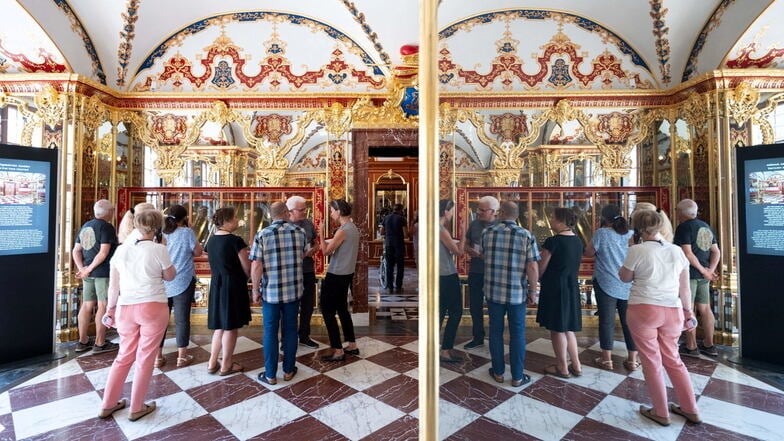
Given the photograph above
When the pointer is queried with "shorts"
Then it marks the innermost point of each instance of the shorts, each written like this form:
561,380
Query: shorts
700,291
95,288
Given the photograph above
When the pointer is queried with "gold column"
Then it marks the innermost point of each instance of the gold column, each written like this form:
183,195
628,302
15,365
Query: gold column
428,214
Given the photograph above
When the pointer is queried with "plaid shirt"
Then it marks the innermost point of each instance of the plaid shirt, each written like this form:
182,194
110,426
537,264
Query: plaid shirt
280,248
507,248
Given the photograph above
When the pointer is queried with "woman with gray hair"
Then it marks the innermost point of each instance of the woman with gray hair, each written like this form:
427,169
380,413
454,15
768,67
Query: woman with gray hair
138,270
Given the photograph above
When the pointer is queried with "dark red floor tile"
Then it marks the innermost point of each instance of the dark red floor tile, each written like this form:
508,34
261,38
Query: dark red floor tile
636,390
403,429
305,428
397,359
7,434
468,363
700,365
316,392
91,362
706,432
401,392
397,340
203,428
232,390
473,394
489,430
251,360
92,429
571,397
590,430
314,362
49,391
745,396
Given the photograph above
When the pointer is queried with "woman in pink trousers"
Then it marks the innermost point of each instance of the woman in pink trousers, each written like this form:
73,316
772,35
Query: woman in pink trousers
138,270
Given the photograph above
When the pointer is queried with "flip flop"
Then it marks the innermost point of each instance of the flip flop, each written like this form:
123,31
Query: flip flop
214,370
693,418
575,372
553,370
148,408
497,378
235,369
525,380
106,413
290,375
264,379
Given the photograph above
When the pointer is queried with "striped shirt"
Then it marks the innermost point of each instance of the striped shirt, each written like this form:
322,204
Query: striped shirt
280,247
507,248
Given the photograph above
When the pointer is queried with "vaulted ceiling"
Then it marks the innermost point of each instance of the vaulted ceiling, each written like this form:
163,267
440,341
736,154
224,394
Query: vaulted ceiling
322,46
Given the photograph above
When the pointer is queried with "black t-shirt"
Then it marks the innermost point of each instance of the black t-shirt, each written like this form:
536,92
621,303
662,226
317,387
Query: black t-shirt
393,228
699,235
93,234
474,237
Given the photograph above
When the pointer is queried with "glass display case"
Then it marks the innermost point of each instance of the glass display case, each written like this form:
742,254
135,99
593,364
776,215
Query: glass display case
251,205
537,203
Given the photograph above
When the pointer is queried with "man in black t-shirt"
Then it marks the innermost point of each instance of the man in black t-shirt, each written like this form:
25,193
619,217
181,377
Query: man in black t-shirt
298,208
485,216
94,247
698,242
394,230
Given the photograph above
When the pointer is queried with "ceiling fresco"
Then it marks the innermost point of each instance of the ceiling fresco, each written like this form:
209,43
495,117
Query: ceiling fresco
319,46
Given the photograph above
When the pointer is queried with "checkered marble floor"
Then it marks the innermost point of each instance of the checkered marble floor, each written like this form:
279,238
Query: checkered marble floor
374,397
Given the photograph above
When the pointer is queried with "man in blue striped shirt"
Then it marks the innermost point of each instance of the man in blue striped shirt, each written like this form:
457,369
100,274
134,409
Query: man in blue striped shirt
510,254
276,274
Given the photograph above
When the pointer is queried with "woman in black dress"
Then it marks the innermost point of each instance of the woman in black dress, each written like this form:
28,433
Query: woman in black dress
559,301
229,304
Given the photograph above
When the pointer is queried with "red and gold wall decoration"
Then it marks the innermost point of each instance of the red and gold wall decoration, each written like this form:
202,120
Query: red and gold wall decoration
169,129
337,170
272,126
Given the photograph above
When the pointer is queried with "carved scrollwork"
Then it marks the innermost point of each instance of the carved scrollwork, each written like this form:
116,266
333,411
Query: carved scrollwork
742,102
51,106
93,113
696,109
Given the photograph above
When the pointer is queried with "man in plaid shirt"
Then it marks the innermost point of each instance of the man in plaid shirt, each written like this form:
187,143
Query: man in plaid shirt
276,274
510,254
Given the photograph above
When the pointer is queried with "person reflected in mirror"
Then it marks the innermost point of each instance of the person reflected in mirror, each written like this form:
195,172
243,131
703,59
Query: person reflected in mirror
449,284
393,228
343,248
486,213
609,246
559,308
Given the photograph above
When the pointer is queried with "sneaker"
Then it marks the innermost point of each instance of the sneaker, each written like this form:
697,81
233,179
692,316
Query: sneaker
689,352
309,343
708,350
82,347
474,344
107,347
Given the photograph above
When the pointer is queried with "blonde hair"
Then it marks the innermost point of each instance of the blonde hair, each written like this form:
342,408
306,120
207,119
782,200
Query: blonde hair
647,221
148,221
126,224
666,225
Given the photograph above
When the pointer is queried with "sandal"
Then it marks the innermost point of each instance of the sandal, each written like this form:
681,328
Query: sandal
525,380
235,369
604,364
630,365
214,370
266,380
553,370
693,418
106,413
575,372
496,377
290,375
148,408
647,412
184,361
160,362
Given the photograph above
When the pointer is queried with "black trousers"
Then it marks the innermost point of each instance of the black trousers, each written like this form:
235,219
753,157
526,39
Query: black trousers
396,253
334,299
306,305
182,315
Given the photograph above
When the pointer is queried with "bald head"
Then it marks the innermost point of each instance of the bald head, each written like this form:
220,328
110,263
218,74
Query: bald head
279,210
509,210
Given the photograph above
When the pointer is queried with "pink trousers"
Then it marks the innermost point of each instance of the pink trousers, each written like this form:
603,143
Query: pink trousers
141,328
655,330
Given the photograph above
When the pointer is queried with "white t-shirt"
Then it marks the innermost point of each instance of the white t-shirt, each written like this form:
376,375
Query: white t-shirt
657,267
141,268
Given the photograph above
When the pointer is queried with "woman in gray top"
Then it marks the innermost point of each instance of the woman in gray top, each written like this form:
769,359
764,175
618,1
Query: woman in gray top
343,248
449,283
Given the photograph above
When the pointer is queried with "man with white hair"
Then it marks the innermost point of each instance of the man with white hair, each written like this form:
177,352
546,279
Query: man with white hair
94,247
485,217
698,242
298,208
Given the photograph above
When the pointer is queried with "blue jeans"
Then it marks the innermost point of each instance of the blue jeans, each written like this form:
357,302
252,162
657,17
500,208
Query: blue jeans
516,317
275,314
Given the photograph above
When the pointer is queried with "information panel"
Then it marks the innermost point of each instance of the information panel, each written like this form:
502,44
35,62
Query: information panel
24,206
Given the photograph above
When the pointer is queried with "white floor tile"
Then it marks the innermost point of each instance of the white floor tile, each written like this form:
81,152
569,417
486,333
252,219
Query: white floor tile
369,347
625,414
357,416
444,375
751,422
170,410
534,417
64,370
413,346
726,373
193,376
361,374
55,414
303,373
483,374
257,415
698,382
